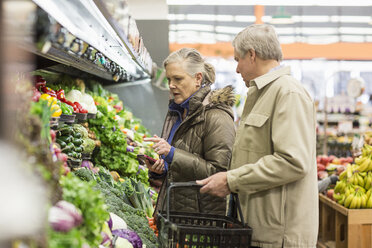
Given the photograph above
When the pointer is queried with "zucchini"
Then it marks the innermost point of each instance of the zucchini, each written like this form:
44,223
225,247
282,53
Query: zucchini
66,139
79,149
78,135
77,142
66,131
61,143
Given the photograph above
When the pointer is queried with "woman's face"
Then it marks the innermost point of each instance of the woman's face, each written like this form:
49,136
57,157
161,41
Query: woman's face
181,84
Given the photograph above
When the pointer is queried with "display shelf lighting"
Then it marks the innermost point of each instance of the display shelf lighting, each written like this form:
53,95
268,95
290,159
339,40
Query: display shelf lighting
281,17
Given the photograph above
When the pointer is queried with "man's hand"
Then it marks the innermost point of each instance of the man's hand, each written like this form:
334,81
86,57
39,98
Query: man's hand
215,185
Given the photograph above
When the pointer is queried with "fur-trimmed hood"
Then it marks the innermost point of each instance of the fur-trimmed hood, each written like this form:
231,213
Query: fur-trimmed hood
224,95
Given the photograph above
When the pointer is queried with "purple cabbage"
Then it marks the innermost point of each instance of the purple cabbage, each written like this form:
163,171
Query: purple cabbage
64,216
131,236
109,222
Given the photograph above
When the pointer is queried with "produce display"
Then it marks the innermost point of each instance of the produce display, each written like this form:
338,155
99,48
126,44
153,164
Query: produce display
329,165
353,190
100,195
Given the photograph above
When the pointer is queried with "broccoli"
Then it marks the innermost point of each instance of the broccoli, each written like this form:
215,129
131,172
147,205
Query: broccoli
135,218
84,174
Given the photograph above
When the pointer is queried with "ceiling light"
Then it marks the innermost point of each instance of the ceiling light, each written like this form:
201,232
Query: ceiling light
273,2
281,17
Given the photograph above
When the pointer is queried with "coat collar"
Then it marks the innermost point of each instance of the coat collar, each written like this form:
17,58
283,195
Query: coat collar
269,77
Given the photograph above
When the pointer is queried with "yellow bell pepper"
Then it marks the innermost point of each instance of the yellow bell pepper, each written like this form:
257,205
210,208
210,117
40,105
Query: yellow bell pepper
51,100
57,111
45,97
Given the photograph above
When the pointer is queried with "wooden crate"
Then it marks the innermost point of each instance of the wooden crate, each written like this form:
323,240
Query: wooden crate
341,227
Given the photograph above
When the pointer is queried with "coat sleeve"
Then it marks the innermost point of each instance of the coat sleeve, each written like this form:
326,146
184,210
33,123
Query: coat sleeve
293,141
218,139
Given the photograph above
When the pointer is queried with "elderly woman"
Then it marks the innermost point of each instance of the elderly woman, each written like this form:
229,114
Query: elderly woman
198,132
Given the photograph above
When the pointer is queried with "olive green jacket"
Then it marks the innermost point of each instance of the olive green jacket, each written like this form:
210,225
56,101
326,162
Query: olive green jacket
273,167
203,144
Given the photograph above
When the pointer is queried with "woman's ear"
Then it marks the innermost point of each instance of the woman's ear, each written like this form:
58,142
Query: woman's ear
199,79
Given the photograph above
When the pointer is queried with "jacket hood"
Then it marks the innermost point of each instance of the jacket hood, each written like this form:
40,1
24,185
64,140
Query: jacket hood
223,96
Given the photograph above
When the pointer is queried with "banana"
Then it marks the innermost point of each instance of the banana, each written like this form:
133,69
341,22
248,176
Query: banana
370,166
368,182
365,165
359,201
342,175
364,201
369,202
342,200
340,187
363,174
337,196
368,193
360,189
348,200
359,160
351,179
354,202
360,180
349,171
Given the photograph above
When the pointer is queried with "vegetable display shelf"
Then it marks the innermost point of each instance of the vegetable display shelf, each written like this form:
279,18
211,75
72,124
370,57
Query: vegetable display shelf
84,39
343,228
120,33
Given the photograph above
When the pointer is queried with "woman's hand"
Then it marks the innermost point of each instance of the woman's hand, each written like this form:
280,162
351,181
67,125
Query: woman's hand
157,167
161,146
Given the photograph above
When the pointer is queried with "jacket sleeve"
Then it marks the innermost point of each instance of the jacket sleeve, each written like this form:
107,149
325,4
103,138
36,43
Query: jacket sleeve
218,139
293,141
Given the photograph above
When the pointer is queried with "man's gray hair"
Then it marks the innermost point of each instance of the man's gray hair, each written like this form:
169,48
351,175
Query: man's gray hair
262,39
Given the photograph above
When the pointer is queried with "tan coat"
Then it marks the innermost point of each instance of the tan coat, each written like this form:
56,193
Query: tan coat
203,144
273,167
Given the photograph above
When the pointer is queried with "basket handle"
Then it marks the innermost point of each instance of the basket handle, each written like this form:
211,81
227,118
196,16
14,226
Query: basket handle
234,206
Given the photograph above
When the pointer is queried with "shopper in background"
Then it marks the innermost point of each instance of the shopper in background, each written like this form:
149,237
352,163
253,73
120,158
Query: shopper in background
273,166
198,132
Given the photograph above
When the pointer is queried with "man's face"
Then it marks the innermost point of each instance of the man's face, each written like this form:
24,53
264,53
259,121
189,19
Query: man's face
246,66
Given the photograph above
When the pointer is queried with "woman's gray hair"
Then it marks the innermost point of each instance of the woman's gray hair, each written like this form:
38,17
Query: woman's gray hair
193,63
262,39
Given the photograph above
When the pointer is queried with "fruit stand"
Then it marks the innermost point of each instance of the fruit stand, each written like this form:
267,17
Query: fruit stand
341,227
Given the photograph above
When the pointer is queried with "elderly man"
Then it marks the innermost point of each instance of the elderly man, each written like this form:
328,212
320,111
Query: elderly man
273,166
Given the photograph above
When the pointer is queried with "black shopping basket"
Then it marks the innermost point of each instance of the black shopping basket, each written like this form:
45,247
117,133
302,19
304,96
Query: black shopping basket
200,230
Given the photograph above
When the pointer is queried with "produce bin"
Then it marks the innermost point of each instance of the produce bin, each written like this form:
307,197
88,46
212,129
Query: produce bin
341,227
181,230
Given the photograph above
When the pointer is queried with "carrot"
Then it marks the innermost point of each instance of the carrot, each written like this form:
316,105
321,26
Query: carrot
151,222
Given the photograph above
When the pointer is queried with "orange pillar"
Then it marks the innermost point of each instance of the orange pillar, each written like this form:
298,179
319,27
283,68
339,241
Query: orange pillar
259,12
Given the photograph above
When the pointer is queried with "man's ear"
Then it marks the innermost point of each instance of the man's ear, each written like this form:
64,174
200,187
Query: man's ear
252,54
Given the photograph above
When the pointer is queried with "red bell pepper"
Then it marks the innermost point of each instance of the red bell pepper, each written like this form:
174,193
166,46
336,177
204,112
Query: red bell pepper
48,91
80,108
39,82
60,94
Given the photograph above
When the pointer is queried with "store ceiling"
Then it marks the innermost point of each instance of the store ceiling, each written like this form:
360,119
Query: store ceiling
214,21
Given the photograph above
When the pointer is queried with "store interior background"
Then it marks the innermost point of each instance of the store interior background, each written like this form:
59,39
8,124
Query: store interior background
326,43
